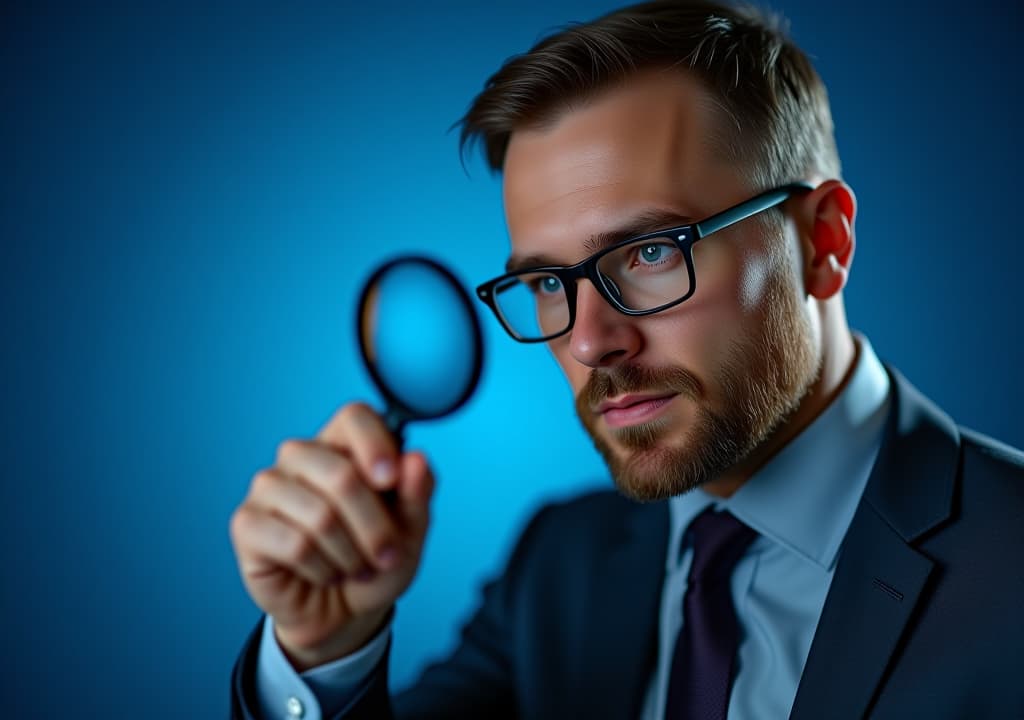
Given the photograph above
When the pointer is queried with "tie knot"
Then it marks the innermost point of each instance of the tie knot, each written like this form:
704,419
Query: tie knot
719,541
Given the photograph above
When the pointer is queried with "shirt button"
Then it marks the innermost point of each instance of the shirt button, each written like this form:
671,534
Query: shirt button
294,707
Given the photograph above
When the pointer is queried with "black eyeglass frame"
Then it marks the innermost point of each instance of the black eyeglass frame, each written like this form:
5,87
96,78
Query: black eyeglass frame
684,236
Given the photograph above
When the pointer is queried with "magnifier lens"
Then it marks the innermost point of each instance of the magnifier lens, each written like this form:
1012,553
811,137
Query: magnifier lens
420,338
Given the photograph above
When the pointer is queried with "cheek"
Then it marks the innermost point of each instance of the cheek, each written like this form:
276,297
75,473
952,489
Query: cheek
725,312
693,338
734,275
737,284
752,284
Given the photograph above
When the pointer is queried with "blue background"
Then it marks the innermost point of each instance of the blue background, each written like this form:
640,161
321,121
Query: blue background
191,196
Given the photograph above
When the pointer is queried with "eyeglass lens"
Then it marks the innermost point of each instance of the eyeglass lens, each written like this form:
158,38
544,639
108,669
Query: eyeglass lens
639,276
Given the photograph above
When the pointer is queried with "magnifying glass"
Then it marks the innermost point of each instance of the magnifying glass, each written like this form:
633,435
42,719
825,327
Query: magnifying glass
420,340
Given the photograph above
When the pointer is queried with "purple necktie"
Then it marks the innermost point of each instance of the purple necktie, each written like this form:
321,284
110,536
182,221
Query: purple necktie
704,658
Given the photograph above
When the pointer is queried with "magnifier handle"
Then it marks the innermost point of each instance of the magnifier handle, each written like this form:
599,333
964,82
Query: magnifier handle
395,421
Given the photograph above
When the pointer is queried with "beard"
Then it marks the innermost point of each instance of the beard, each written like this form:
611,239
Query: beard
761,381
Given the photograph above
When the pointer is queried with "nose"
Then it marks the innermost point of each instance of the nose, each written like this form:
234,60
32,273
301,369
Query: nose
601,336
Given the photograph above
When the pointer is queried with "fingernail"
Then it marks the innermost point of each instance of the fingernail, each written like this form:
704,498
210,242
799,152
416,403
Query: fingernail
364,575
387,557
383,472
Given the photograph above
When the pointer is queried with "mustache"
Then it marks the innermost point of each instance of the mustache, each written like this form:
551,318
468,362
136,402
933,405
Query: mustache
605,383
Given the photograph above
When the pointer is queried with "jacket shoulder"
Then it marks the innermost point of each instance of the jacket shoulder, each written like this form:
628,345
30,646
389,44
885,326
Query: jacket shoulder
993,454
587,507
588,522
991,472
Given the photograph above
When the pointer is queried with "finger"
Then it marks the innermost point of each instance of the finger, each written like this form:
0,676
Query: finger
306,508
265,542
415,488
360,508
364,436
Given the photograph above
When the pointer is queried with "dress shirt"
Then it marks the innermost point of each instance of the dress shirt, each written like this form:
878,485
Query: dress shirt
801,503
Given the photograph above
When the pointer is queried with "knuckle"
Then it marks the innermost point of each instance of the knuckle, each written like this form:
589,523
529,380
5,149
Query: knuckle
288,447
344,481
239,523
321,518
361,421
261,480
298,548
355,411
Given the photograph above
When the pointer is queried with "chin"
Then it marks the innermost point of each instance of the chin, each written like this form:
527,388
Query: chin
656,473
650,464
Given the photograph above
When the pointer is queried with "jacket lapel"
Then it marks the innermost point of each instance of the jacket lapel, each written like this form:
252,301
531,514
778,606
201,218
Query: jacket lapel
880,578
620,651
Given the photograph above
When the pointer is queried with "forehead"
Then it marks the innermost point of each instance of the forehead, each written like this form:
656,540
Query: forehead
647,144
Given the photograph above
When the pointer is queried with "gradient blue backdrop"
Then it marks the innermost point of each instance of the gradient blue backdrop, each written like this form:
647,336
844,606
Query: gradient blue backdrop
191,195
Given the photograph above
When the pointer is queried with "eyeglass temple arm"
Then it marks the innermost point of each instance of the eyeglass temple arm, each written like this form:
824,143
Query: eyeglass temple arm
751,207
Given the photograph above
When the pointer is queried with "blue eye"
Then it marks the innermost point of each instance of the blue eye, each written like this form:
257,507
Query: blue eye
660,255
550,284
652,253
544,285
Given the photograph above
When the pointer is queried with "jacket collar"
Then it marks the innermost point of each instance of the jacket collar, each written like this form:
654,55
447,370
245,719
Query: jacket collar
880,577
913,483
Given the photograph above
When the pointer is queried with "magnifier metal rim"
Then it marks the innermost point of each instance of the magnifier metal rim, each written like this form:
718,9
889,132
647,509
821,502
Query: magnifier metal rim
393,401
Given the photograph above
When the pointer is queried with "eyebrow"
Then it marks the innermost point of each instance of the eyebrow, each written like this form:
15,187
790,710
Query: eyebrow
644,222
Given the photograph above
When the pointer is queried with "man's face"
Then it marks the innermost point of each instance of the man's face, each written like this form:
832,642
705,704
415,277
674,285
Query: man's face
674,399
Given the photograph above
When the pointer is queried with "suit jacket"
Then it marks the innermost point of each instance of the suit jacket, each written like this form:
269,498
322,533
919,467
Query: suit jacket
924,618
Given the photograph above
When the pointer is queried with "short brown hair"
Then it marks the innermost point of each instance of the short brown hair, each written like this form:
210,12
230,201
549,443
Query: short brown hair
778,121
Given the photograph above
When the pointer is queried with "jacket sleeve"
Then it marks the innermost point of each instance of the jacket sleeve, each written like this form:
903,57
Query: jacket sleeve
370,698
478,680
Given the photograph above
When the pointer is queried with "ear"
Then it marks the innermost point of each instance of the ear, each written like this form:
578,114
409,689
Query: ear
829,242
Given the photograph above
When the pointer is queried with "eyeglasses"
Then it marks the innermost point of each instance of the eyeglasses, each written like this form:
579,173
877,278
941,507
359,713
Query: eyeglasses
638,276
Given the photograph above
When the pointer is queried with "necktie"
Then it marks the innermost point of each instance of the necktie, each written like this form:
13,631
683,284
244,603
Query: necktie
705,652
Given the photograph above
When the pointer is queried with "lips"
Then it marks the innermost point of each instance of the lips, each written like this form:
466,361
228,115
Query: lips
632,409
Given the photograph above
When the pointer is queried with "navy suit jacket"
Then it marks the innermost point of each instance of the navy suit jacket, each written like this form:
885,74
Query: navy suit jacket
924,618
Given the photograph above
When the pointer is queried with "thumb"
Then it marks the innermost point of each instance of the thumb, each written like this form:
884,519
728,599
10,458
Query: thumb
415,488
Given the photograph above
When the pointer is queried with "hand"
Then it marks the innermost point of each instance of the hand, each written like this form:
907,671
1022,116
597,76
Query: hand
330,536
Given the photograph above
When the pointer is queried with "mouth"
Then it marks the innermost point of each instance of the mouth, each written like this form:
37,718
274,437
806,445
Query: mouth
632,409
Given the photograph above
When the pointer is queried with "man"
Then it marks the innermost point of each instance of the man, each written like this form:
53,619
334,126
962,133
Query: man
815,538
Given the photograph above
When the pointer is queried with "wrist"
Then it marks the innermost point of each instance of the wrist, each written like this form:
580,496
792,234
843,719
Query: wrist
353,637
